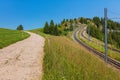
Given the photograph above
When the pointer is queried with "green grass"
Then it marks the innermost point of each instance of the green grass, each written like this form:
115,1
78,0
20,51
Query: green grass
66,60
8,37
39,31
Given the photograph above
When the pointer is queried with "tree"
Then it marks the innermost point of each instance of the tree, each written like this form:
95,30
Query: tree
66,24
51,27
71,27
20,27
56,31
71,21
63,21
102,21
96,20
59,25
46,28
81,20
66,20
114,38
95,32
75,20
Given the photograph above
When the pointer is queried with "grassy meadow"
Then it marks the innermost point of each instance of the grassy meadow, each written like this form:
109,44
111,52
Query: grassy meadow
8,37
67,60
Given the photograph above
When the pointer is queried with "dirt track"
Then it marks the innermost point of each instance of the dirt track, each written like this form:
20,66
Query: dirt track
22,60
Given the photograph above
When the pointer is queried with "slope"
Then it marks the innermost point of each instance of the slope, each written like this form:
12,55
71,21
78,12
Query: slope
66,60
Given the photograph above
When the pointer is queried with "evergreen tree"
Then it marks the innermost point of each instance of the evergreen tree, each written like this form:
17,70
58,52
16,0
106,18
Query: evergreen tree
20,27
66,24
81,20
96,20
56,31
75,20
51,27
59,25
102,21
66,20
95,32
114,38
85,20
46,28
63,21
71,21
71,27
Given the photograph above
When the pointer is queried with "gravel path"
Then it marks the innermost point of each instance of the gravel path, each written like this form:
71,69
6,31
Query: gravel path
22,60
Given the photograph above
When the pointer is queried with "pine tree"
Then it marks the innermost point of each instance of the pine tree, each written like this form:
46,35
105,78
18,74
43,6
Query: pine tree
56,31
71,27
51,27
71,21
63,21
46,28
81,20
96,20
20,27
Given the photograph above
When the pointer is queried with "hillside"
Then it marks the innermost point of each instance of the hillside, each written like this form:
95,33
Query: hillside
98,44
97,30
66,60
8,36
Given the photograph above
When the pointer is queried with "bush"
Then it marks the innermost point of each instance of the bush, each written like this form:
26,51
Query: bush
95,32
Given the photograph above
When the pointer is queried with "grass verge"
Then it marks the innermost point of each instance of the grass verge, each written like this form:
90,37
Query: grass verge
8,37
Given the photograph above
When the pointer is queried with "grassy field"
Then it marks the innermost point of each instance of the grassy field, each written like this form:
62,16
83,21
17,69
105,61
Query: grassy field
8,37
39,31
67,60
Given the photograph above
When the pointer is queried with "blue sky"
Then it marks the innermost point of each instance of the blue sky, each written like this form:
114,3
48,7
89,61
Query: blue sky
34,13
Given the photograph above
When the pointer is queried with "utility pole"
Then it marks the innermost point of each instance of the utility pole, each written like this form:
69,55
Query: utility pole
88,33
106,36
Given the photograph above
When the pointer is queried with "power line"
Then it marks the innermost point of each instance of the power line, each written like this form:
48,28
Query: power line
114,15
114,30
114,18
112,12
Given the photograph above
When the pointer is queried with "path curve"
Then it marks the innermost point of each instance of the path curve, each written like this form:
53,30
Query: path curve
22,60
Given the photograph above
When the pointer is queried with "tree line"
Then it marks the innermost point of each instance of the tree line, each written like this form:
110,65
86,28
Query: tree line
51,29
58,29
97,30
111,24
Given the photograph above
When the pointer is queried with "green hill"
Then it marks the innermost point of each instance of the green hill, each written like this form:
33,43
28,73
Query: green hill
8,36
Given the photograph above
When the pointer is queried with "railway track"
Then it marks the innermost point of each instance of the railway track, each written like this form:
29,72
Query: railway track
111,61
116,50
